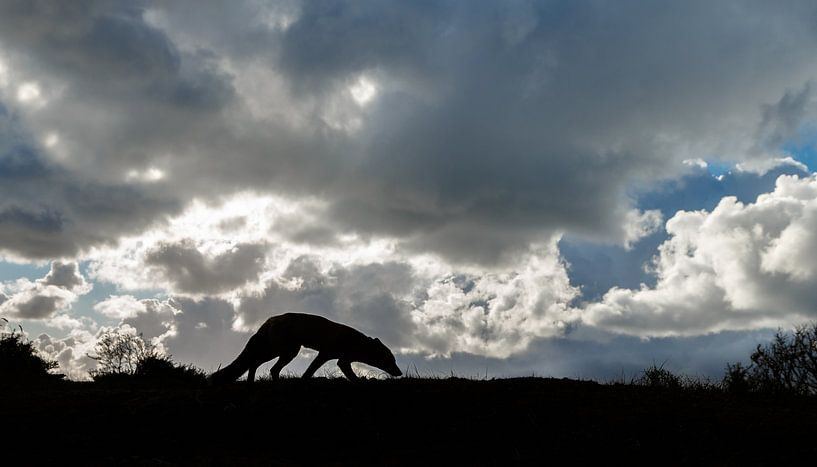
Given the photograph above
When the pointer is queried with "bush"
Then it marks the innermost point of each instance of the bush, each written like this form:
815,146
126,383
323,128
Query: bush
19,359
162,367
128,356
119,353
659,377
788,364
736,379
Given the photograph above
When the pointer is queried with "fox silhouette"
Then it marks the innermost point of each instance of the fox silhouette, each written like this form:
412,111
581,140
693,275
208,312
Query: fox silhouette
283,335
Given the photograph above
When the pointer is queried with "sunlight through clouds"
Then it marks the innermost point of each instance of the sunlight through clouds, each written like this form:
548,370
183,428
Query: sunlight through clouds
363,91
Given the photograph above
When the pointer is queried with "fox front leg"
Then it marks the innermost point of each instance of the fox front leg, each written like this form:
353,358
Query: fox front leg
346,367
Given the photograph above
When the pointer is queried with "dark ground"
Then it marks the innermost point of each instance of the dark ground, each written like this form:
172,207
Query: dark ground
405,422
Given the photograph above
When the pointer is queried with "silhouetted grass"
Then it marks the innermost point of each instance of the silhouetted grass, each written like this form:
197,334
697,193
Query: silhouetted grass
156,370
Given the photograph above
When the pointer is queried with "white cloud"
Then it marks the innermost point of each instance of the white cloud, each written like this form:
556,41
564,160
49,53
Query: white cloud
742,266
696,162
43,298
638,225
120,306
70,352
762,166
497,314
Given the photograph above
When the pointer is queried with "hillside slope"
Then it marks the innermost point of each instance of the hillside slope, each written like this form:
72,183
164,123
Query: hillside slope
406,421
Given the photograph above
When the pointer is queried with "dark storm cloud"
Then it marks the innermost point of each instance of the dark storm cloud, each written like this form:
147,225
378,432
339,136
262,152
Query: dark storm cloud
110,42
38,306
65,275
190,271
47,211
782,120
530,125
489,126
122,87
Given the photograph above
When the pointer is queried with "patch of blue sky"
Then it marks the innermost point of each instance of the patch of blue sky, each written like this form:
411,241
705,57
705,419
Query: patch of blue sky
717,168
597,267
13,271
702,190
804,148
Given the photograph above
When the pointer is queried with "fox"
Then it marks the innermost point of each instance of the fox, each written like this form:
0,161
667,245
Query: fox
283,336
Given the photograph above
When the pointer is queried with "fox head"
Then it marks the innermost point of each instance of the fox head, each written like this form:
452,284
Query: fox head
379,356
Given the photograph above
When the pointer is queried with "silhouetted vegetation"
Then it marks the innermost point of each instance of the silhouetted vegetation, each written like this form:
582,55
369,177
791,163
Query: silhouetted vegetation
788,364
163,368
122,355
19,359
658,377
119,353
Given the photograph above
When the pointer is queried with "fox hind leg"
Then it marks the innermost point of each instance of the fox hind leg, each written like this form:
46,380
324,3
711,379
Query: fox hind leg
283,360
320,359
346,367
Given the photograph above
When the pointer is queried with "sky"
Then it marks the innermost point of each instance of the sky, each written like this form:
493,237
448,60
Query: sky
550,188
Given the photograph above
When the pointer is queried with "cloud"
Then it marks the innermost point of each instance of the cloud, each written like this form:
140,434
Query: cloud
65,275
481,131
120,306
190,271
641,224
763,166
741,266
782,120
71,352
43,298
48,211
497,314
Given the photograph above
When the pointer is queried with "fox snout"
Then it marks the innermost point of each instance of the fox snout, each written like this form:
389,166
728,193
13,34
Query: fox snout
394,371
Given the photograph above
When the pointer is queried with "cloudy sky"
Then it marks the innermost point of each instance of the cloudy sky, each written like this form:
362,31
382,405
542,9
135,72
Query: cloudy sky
520,187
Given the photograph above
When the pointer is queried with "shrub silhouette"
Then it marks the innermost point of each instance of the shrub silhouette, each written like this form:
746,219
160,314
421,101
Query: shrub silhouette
659,377
736,379
119,353
162,367
19,359
128,356
788,364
